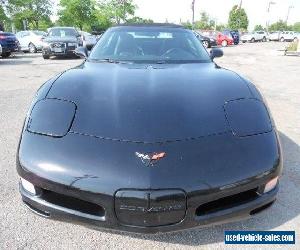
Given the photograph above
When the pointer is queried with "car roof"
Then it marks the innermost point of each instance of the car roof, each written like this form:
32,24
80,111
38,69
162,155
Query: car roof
62,27
163,25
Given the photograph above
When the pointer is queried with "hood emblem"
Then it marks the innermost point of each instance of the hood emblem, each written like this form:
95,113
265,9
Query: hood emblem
149,159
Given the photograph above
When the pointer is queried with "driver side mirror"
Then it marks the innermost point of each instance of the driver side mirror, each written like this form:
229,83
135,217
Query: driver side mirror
215,52
82,52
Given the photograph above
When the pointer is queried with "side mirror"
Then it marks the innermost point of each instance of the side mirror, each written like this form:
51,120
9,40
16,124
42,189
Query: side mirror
82,52
216,53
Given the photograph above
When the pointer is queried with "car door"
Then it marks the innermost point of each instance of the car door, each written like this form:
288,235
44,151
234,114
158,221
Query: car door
20,38
26,37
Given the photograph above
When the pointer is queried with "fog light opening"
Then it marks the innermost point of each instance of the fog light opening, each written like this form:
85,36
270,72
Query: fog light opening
271,185
29,187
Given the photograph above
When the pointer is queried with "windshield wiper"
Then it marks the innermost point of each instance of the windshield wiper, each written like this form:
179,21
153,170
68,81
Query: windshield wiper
161,62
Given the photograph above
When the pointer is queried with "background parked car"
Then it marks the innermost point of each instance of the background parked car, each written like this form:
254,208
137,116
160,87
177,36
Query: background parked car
31,40
207,42
61,41
255,37
234,34
274,36
0,50
9,43
88,39
224,40
288,36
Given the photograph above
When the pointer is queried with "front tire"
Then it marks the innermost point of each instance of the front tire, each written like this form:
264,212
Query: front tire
46,57
205,44
282,39
224,43
32,48
264,39
252,40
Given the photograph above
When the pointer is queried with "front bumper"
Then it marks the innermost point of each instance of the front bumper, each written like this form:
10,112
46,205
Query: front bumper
65,51
9,49
106,216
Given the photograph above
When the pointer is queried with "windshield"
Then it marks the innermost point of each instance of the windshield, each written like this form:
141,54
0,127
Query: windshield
63,32
149,45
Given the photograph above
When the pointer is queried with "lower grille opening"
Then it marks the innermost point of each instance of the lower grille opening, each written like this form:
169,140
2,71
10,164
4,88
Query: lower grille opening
72,203
226,202
259,209
36,210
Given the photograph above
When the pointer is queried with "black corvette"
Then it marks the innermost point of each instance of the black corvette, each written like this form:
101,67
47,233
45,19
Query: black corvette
148,135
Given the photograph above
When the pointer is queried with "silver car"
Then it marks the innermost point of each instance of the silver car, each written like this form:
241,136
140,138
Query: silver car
31,40
88,39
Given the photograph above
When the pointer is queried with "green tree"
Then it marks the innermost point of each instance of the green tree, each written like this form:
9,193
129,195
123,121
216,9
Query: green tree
120,10
3,18
238,18
205,22
279,25
137,19
296,27
187,25
258,27
77,13
33,11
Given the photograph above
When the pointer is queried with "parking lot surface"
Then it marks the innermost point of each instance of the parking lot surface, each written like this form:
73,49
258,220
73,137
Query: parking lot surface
275,75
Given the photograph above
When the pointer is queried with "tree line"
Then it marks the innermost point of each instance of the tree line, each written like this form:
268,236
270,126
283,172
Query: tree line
83,14
100,14
237,20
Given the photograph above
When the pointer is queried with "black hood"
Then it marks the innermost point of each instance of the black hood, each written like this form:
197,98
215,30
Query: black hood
51,39
149,103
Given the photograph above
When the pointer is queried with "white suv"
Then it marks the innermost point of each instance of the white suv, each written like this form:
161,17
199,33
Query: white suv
288,36
255,36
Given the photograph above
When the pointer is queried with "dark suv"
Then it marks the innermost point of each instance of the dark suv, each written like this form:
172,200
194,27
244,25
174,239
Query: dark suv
61,41
9,43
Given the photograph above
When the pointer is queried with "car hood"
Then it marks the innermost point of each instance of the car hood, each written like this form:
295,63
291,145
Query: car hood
61,39
149,103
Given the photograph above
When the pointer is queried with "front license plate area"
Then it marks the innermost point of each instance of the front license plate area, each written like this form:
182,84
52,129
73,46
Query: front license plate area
57,50
150,208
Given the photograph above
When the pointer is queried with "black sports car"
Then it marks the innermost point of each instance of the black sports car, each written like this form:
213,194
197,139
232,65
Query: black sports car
61,41
148,135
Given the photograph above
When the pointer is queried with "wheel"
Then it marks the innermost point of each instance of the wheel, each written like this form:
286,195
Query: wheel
224,43
243,41
264,39
282,39
6,54
205,44
32,48
46,57
252,40
295,39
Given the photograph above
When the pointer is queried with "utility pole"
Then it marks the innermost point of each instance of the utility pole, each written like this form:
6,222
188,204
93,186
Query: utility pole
268,15
288,13
241,3
193,10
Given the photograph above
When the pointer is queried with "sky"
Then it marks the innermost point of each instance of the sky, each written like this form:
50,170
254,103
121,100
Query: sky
180,10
